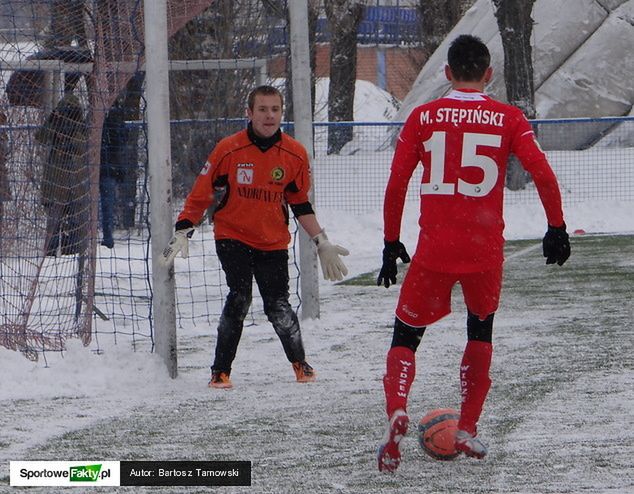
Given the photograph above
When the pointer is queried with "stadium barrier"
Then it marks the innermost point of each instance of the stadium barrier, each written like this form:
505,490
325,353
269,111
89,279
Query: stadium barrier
593,158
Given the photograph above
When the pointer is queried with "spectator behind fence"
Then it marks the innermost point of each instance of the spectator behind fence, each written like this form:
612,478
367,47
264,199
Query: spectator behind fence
65,179
112,170
119,162
5,190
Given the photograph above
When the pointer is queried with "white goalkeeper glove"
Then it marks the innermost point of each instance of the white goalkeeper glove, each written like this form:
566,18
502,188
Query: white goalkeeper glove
178,243
332,266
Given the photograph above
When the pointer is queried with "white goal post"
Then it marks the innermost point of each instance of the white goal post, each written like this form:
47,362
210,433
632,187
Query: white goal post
160,175
303,117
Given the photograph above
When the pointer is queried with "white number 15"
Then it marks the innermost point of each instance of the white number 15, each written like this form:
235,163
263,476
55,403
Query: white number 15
470,157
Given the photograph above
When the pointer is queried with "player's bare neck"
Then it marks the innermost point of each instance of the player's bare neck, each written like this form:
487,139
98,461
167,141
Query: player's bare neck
477,85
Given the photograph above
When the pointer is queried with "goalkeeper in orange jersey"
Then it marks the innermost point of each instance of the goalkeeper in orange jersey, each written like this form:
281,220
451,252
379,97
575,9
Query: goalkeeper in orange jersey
250,179
463,141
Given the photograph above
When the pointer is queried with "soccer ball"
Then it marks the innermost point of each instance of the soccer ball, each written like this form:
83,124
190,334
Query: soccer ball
437,431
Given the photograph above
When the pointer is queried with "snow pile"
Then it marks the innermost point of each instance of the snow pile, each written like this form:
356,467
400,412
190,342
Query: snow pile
581,52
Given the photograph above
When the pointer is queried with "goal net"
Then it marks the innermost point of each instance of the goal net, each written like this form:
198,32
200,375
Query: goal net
74,240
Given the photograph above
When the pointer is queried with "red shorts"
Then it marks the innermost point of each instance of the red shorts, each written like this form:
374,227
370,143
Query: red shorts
426,295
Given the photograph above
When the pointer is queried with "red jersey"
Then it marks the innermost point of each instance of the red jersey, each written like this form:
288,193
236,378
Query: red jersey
463,142
258,187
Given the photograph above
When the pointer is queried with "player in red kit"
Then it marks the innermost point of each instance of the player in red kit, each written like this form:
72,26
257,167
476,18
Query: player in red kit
463,142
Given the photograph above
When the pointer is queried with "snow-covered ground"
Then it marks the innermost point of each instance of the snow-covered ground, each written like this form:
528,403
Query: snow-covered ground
559,417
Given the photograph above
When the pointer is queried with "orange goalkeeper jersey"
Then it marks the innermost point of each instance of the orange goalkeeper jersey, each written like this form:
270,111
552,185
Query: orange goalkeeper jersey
256,188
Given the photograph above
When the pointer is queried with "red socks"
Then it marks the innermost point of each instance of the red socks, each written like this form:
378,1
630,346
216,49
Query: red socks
474,383
398,379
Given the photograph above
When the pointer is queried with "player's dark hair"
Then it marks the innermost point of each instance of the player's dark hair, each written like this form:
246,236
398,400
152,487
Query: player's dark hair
468,58
263,91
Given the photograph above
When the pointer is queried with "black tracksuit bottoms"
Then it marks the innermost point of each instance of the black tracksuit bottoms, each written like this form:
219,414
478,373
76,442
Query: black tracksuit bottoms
241,263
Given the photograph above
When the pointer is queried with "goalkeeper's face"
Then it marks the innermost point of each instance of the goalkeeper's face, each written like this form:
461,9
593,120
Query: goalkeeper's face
266,115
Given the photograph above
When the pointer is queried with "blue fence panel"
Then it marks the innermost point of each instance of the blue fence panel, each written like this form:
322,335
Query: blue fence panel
380,25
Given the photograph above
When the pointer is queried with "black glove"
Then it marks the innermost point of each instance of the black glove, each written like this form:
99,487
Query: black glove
184,225
556,245
392,251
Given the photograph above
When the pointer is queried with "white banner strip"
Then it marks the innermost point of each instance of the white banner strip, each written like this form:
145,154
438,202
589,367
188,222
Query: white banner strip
64,473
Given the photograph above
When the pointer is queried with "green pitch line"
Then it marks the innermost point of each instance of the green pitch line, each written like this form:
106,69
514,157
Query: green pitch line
369,278
516,250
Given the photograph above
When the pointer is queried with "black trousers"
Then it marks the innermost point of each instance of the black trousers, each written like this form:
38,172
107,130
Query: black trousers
241,263
66,225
